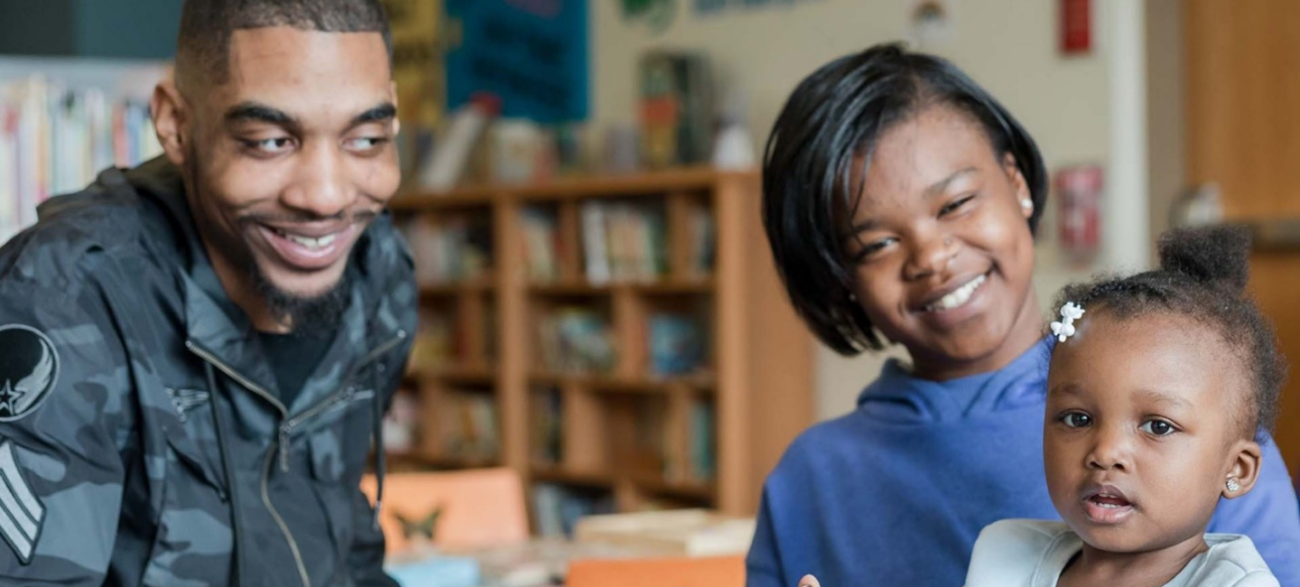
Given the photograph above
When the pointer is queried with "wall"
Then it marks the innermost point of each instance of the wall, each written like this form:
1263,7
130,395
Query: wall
139,29
1009,46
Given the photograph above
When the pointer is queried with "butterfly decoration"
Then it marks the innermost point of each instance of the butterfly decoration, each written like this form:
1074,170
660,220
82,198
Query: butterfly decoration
420,529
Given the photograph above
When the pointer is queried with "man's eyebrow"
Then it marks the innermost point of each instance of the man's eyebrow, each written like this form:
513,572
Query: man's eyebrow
381,113
255,112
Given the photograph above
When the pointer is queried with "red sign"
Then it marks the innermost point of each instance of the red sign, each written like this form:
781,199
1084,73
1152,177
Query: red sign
1076,26
1078,193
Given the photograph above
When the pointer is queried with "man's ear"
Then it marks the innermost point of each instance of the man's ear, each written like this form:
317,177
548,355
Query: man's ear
171,118
1243,468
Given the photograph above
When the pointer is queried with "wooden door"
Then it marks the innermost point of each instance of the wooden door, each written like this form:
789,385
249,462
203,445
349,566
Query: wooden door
1242,64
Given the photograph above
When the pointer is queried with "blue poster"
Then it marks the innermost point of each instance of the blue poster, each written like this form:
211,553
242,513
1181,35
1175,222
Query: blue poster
530,53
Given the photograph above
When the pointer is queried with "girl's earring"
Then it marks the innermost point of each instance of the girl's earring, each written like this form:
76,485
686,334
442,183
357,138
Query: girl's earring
1027,204
1233,486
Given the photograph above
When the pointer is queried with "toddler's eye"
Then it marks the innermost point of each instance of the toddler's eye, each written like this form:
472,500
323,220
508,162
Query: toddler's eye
1076,419
1158,428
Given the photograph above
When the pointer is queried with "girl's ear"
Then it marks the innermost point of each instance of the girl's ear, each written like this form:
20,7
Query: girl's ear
1021,187
1243,469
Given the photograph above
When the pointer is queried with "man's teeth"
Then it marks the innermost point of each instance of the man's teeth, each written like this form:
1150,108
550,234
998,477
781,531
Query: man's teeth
311,243
957,298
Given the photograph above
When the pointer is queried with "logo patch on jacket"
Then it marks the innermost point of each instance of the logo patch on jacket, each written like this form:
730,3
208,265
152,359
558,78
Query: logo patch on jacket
29,366
21,514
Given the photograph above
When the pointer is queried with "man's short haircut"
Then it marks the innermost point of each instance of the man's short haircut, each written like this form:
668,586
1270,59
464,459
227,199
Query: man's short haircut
203,44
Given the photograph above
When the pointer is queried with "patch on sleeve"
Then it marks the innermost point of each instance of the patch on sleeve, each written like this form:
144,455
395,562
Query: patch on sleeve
29,366
21,514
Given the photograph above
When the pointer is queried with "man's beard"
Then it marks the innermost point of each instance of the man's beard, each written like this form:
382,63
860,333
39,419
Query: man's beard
312,317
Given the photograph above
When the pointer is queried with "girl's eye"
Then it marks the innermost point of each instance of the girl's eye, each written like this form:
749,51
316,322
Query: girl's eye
871,248
955,205
1158,428
1076,419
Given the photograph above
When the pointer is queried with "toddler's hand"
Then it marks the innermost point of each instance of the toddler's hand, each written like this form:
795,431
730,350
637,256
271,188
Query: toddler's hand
809,581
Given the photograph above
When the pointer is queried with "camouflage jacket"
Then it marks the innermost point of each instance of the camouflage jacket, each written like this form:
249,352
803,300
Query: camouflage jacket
141,438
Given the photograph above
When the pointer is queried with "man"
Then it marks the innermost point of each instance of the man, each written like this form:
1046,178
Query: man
194,354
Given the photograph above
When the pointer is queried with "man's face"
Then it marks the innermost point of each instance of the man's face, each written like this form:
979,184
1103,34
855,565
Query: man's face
293,155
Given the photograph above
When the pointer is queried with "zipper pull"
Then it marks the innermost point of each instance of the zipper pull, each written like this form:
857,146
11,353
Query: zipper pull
284,448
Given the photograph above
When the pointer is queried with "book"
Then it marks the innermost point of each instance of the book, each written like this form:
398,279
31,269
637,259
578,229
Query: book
541,244
702,449
691,532
676,344
548,427
575,339
624,241
559,509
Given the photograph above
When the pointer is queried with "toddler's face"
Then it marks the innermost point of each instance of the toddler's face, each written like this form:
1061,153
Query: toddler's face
1142,430
941,243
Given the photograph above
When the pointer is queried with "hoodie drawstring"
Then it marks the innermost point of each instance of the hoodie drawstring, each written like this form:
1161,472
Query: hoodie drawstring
226,464
377,430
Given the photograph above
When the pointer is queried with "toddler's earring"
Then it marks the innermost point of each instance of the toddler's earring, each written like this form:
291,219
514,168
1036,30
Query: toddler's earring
1027,204
1233,486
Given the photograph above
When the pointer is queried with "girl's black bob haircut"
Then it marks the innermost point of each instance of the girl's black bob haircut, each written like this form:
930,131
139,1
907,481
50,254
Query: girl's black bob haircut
831,120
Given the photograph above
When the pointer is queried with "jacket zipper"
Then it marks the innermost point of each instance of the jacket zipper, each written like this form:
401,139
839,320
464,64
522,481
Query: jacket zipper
266,470
284,528
288,425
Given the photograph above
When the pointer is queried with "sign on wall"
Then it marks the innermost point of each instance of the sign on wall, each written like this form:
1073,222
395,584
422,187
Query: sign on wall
530,53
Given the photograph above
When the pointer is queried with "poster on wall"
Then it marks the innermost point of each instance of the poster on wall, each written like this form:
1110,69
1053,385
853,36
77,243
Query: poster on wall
532,54
417,70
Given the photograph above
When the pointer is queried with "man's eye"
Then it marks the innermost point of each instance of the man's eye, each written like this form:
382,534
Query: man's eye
271,146
365,143
1076,419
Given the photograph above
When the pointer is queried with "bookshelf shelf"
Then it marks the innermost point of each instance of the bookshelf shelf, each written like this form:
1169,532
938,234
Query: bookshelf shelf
415,459
665,287
476,286
614,384
700,490
559,475
630,330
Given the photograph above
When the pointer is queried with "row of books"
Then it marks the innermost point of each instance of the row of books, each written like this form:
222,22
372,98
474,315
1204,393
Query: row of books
575,339
450,249
578,339
468,426
558,508
652,438
54,140
442,342
624,241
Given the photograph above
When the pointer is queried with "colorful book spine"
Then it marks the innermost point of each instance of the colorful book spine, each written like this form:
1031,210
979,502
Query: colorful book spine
54,140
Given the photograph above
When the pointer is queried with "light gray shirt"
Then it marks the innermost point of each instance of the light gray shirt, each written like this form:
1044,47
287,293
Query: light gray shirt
1032,553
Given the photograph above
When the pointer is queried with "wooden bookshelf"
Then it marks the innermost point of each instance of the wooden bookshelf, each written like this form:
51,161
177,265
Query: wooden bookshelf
629,332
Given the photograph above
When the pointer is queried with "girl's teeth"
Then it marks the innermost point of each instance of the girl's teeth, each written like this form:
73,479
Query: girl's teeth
959,297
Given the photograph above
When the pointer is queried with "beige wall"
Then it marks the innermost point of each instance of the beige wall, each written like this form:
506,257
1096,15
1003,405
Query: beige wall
1009,46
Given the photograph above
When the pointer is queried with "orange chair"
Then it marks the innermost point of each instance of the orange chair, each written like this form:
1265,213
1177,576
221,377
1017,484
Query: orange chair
480,508
724,571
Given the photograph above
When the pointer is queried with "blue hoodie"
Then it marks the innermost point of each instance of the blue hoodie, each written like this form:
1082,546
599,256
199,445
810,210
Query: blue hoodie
896,492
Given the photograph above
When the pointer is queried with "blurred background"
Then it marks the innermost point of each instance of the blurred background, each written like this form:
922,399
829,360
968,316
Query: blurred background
600,314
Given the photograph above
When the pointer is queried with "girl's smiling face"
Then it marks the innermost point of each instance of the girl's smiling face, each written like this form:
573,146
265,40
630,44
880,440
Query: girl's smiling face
1143,429
941,246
